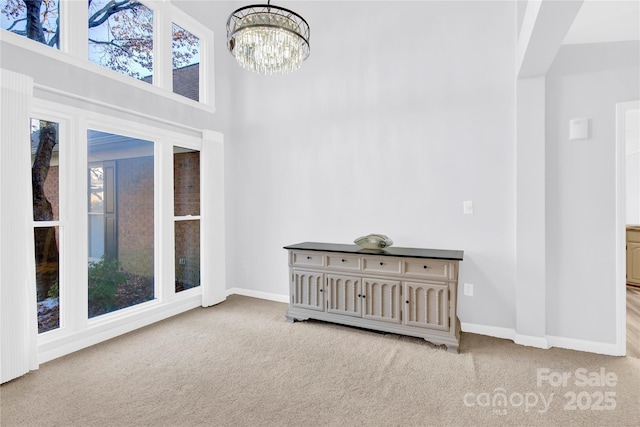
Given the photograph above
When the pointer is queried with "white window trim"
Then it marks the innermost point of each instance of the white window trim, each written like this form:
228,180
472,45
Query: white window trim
81,331
64,134
74,50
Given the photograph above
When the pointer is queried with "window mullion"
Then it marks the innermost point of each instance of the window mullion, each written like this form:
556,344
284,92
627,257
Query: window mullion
74,31
76,237
165,247
207,88
162,68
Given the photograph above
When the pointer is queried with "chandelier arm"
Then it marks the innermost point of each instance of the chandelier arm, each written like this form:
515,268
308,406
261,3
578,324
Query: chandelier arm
230,36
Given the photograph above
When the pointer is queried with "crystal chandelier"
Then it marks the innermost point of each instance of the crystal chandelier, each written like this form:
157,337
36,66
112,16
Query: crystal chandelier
268,39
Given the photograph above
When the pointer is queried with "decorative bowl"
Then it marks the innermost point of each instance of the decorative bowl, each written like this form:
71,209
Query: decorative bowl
373,241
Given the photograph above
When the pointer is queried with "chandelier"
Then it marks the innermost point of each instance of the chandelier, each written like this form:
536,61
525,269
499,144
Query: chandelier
268,39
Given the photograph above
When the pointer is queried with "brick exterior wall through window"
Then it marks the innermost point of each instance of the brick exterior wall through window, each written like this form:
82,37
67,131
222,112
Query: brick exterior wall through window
186,170
186,183
135,215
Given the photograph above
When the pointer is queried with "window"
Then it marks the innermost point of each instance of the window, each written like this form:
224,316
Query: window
186,63
46,232
125,36
186,200
139,233
121,222
35,20
121,37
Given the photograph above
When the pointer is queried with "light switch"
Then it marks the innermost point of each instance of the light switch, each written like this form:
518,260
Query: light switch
578,129
467,207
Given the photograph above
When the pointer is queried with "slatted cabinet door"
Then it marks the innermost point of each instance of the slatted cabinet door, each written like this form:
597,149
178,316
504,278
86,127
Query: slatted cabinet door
381,299
426,305
308,289
344,295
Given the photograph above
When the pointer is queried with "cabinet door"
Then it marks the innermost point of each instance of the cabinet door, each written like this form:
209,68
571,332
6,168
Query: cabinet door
344,295
381,300
426,305
633,263
308,289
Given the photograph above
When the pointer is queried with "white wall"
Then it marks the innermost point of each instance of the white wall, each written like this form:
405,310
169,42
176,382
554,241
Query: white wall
402,111
585,81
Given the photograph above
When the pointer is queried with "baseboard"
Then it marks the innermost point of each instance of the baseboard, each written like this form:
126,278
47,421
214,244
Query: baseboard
588,346
545,342
258,294
491,331
531,341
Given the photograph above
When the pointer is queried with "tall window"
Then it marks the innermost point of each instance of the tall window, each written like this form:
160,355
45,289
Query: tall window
121,37
36,20
46,232
120,174
186,63
186,190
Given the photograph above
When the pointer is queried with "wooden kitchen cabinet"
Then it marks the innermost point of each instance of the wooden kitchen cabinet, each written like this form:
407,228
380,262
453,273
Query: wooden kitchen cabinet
633,255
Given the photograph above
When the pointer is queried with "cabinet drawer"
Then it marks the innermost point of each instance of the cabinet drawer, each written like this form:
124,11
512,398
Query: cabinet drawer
429,268
380,265
633,235
309,259
343,262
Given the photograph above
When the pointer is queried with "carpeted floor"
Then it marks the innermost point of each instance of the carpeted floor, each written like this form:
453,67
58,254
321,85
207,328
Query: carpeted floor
241,364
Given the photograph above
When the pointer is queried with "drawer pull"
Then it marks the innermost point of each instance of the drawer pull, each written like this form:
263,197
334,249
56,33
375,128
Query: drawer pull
381,263
407,302
308,257
424,266
359,295
343,260
321,290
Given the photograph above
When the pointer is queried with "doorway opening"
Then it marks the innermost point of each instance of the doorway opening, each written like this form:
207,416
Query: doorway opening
627,214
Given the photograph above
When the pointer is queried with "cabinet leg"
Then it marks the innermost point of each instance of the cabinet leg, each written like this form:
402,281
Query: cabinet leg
292,318
453,349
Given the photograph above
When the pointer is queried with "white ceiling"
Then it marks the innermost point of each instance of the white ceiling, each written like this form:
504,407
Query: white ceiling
605,21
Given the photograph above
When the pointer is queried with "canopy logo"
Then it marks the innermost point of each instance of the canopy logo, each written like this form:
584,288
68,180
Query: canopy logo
592,395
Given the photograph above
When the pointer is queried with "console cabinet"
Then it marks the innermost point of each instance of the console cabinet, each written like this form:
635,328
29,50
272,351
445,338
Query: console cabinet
407,291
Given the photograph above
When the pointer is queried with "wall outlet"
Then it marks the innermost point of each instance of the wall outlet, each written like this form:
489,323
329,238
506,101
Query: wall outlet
468,289
182,261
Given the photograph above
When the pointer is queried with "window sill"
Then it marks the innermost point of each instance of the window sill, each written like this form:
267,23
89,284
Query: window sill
63,341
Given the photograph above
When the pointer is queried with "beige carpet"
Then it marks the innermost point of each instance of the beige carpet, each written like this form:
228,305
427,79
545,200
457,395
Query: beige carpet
241,364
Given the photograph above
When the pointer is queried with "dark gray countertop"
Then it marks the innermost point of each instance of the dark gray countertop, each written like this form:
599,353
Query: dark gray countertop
390,251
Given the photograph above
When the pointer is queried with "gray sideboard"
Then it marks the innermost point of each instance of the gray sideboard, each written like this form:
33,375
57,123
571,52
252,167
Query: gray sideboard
408,291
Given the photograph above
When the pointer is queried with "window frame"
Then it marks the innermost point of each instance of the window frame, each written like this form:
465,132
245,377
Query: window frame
180,218
63,122
28,94
74,49
76,330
